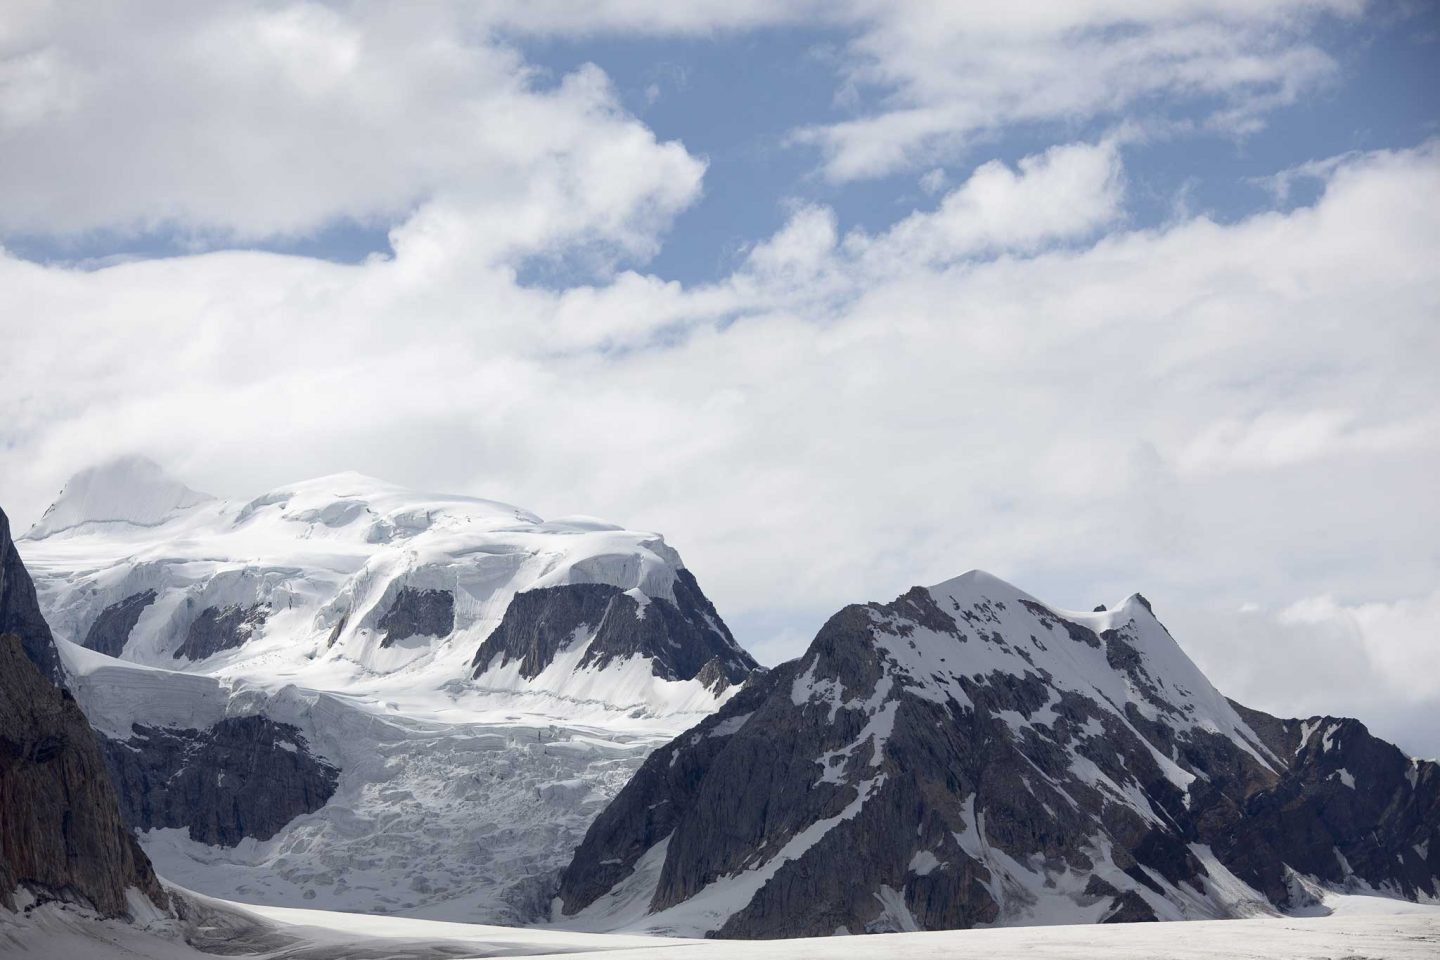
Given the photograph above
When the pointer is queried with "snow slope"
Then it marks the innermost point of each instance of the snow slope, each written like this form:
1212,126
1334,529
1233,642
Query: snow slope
1358,927
130,490
1369,928
1412,934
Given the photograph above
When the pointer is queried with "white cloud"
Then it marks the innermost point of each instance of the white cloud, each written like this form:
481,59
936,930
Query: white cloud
1065,194
1276,438
236,121
1322,657
696,17
829,423
933,181
947,74
1009,378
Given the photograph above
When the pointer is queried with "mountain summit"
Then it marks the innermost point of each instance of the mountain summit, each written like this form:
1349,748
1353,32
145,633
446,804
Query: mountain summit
347,580
968,755
130,490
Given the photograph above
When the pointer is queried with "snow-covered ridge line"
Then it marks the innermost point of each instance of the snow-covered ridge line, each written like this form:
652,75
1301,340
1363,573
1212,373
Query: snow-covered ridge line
350,583
130,490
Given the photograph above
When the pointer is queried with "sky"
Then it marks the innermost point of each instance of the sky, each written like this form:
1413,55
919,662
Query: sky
1101,296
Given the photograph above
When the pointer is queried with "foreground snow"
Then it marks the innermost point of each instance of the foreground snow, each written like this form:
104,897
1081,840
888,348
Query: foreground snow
1395,937
1358,927
216,927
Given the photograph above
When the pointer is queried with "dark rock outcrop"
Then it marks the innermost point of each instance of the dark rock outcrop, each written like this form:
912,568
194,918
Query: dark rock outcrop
220,628
540,623
680,638
966,755
61,836
1129,907
20,610
714,676
1348,806
418,613
243,777
111,630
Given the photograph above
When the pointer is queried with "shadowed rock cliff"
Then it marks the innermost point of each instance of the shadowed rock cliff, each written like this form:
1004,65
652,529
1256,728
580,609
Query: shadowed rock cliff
61,836
681,638
20,611
242,777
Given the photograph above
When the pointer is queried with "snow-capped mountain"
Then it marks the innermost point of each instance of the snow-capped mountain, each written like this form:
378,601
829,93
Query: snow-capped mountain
967,755
349,583
366,697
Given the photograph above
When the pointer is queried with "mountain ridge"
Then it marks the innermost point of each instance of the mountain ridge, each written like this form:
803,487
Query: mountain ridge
345,580
966,755
287,684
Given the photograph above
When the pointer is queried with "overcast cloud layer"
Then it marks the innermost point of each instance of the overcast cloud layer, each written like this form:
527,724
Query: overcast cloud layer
1240,419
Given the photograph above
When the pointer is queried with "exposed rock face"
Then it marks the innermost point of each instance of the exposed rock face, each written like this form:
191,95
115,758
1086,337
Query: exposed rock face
111,630
418,613
539,623
680,639
714,676
219,628
1349,806
20,610
60,830
968,755
243,777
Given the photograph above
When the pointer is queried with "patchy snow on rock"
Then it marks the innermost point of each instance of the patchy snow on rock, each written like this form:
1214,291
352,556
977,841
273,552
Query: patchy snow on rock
923,862
1015,763
1162,684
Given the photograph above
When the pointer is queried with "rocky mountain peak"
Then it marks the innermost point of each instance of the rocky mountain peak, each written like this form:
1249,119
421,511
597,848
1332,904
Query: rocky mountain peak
967,754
